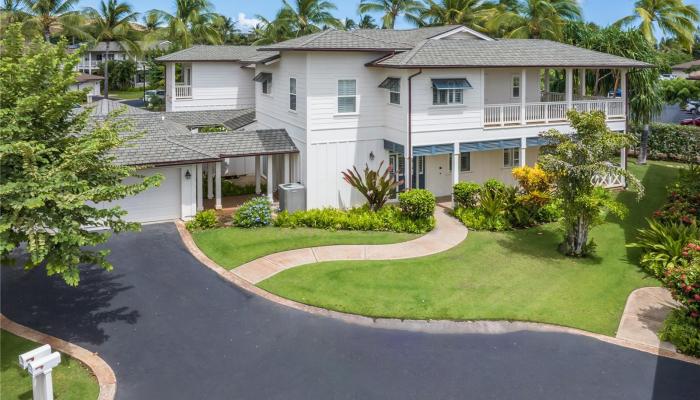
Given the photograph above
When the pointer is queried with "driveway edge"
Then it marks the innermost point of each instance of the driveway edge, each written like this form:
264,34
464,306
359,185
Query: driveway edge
425,326
106,379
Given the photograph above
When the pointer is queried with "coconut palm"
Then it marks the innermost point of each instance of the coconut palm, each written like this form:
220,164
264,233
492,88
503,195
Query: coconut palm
367,22
153,22
50,17
12,11
226,26
349,24
268,32
672,17
308,16
111,23
393,9
192,23
537,19
470,13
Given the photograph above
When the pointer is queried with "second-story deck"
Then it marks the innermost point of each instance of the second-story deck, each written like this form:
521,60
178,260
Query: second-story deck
548,112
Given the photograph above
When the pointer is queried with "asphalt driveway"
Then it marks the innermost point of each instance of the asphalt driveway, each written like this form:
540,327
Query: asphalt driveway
172,329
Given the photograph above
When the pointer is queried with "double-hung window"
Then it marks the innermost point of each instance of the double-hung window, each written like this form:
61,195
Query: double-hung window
515,87
511,157
293,94
394,87
265,79
347,96
449,91
464,162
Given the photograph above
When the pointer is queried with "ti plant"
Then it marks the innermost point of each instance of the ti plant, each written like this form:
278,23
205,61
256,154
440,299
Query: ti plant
376,186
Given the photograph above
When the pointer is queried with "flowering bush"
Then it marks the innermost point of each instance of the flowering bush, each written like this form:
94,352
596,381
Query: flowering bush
254,213
683,279
203,220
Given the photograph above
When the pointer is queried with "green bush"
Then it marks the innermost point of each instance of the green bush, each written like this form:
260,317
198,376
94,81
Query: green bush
662,245
672,141
254,213
466,194
417,203
229,188
493,185
388,218
683,332
203,220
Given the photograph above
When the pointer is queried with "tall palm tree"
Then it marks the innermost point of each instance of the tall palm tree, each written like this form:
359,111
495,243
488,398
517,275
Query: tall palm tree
393,9
192,23
153,22
226,26
366,22
53,16
672,17
470,13
268,32
12,11
308,16
110,23
536,19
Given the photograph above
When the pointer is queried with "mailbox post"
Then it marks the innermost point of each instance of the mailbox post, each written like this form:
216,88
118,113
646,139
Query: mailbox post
39,363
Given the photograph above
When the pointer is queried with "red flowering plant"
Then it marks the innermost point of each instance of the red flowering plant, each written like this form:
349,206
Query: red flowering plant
683,206
683,279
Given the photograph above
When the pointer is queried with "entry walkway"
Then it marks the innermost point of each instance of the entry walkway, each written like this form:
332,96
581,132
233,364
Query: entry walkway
448,233
644,315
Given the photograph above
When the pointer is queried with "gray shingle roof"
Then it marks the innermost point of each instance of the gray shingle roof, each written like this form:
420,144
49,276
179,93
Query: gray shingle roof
503,53
244,54
361,39
236,144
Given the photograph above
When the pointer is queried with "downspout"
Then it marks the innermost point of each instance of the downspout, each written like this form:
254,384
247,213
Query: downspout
409,178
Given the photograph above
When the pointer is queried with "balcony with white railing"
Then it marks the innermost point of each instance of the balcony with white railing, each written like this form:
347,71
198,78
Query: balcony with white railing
513,114
183,91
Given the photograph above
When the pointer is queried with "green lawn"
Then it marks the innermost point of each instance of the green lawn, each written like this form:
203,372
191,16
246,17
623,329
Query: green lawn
126,94
71,379
515,275
231,247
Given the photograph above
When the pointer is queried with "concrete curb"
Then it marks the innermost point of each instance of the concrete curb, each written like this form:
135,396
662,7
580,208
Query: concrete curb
102,371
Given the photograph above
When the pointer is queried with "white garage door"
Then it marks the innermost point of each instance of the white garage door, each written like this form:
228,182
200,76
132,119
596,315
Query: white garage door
160,203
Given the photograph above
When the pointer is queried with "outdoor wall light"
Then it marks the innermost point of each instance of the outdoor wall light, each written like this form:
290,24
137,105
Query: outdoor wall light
371,156
188,175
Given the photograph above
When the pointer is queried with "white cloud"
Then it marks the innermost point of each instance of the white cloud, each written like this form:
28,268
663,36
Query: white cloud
246,24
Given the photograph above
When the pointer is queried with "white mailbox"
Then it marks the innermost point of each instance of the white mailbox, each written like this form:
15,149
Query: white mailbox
39,352
39,363
44,365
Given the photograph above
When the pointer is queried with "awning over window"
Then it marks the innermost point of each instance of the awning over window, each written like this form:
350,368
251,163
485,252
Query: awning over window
536,141
460,83
433,150
393,147
391,84
489,145
263,76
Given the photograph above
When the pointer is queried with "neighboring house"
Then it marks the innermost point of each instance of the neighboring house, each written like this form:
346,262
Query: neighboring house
680,70
93,82
211,77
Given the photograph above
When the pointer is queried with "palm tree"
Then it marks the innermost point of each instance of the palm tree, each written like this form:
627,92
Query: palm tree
470,13
392,9
52,16
12,11
308,16
226,26
537,19
349,24
112,23
192,23
669,16
153,22
268,32
367,22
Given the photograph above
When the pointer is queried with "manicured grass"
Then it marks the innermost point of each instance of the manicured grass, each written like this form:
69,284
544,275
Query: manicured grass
126,94
71,379
516,275
231,247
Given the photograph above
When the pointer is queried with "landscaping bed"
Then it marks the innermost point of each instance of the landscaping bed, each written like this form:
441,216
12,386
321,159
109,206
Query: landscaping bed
515,275
71,379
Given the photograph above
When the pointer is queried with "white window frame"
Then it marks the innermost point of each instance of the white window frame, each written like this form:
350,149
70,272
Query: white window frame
339,96
511,157
293,94
266,85
450,96
461,157
397,93
513,86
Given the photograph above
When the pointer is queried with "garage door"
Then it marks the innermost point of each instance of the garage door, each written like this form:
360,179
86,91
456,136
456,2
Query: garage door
160,203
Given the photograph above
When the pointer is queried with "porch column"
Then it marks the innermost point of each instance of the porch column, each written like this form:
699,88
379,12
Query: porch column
89,63
582,82
623,89
286,168
523,95
455,170
258,168
218,186
200,187
523,151
270,177
546,79
210,181
569,88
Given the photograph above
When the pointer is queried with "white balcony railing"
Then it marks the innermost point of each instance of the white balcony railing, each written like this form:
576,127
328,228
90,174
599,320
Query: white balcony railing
547,112
183,91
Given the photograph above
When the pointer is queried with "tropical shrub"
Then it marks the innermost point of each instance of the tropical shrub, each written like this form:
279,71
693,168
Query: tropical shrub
535,186
683,332
683,280
254,213
203,220
229,188
375,186
663,244
417,203
672,141
466,194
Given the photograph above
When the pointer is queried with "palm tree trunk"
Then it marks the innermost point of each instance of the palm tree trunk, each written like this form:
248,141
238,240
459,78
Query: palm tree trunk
106,62
644,145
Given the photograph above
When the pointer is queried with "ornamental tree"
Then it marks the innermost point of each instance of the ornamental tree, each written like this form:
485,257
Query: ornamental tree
56,163
574,160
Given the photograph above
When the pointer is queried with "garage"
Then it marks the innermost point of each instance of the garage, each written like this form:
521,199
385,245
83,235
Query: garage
156,204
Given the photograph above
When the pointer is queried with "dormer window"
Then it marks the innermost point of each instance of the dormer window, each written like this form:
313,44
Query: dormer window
394,87
449,91
265,79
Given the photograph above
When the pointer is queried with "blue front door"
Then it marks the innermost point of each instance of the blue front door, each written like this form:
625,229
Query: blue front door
418,172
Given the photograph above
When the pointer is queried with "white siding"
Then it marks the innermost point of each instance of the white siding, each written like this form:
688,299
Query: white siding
498,85
218,86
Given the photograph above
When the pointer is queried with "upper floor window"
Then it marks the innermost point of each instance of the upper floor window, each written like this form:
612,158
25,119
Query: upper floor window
347,96
449,91
265,78
464,162
394,87
515,86
511,157
293,94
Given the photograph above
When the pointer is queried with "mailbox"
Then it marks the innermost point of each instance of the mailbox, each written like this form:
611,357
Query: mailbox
39,363
39,352
44,365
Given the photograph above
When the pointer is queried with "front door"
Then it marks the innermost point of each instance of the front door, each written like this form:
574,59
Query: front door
418,172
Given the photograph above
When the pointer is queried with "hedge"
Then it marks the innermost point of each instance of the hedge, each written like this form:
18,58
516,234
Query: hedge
671,141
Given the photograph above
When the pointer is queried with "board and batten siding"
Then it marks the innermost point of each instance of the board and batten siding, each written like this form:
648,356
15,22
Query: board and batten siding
218,86
498,89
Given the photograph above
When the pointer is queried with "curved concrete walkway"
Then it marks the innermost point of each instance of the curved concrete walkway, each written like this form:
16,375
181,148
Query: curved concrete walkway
644,315
448,233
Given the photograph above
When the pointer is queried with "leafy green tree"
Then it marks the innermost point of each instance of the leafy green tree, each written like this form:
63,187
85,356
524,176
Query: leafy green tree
470,13
191,23
574,161
393,9
50,17
55,164
672,17
110,24
308,16
535,19
122,73
679,91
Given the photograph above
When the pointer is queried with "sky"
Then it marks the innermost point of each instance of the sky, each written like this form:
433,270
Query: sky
602,12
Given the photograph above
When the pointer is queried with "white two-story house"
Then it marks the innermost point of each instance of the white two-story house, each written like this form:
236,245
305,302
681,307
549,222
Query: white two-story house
440,104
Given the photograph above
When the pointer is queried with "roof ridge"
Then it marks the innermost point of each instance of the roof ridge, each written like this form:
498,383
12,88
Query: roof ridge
414,51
